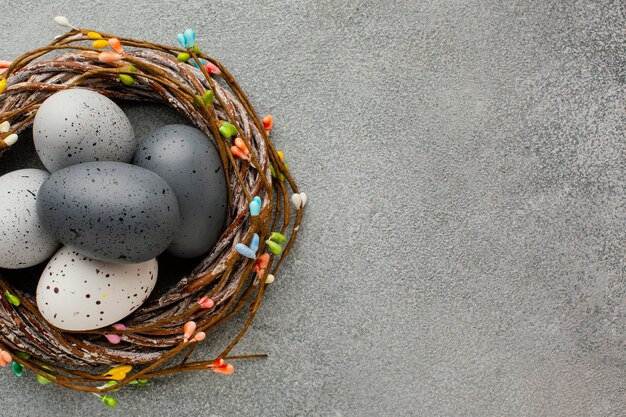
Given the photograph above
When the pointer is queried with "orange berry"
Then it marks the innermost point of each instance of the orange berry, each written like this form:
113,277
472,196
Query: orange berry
268,122
116,45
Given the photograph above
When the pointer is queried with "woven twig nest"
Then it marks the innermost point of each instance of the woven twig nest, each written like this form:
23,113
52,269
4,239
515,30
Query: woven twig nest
225,282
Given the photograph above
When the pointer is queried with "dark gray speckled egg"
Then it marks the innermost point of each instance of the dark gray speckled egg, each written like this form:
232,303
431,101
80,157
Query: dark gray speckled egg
109,211
78,125
185,158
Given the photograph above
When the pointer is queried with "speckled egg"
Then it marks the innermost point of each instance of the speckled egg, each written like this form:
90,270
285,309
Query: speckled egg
76,292
24,241
78,125
185,158
109,211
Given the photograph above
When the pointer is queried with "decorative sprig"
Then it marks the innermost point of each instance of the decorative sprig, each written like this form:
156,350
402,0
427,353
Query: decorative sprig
63,22
5,127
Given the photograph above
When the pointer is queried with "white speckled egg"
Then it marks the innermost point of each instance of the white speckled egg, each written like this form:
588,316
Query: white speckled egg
24,242
79,125
79,293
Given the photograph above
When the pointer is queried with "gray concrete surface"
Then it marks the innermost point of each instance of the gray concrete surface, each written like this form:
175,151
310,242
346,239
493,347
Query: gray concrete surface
462,253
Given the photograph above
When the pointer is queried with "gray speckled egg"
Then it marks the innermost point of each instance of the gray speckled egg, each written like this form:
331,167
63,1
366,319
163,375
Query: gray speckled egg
78,125
76,292
185,158
24,241
109,211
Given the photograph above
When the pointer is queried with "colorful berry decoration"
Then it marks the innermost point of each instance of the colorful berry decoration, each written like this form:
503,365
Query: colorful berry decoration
109,401
63,22
188,329
108,57
261,264
299,200
110,384
4,64
207,97
248,251
273,170
100,44
12,299
181,40
240,150
5,358
127,79
5,127
139,382
199,337
227,130
183,57
255,206
220,367
274,242
206,303
118,373
45,378
22,355
190,38
268,123
113,337
116,45
211,68
18,369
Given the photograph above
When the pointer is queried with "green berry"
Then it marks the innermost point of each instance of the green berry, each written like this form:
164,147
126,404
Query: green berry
22,355
111,384
12,299
17,368
278,237
198,101
228,130
127,79
43,380
208,97
109,401
274,247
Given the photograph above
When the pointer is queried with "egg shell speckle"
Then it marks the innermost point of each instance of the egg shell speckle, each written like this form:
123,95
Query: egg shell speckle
185,158
110,211
24,242
79,125
77,293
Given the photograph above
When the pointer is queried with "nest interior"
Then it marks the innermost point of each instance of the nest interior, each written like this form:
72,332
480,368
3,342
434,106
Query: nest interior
153,341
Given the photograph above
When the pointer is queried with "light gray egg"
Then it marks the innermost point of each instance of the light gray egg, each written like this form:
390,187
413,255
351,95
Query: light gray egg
110,211
24,241
79,125
185,158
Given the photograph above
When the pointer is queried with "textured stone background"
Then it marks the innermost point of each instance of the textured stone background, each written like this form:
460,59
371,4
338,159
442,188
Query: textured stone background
462,253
